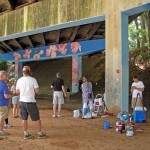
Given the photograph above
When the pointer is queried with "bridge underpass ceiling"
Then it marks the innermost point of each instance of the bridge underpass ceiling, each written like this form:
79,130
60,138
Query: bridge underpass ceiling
9,5
73,34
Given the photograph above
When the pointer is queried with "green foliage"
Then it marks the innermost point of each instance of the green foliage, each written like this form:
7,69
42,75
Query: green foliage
3,65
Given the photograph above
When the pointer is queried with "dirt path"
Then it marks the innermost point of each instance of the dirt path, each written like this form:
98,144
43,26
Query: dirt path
67,133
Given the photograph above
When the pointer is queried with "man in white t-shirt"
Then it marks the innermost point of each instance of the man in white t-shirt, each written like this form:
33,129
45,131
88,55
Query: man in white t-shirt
137,87
27,87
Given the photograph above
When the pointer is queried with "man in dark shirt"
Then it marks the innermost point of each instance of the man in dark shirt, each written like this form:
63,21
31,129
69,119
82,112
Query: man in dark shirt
58,97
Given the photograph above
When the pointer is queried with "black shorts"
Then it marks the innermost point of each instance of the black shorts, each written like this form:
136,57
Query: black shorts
27,109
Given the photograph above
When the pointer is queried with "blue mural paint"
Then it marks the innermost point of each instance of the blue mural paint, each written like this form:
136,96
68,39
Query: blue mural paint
55,51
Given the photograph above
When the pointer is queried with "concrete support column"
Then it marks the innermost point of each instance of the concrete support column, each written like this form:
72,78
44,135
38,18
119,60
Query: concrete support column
124,63
18,69
116,75
76,72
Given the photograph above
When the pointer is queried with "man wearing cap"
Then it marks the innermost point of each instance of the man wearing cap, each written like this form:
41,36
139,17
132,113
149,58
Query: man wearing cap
27,87
4,101
58,97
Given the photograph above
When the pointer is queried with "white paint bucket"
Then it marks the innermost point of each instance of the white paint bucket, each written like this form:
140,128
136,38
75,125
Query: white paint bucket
130,133
76,113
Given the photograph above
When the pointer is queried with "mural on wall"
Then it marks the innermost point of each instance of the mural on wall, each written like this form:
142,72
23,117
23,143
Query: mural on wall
52,51
37,54
55,51
62,48
16,68
16,56
75,70
27,54
75,46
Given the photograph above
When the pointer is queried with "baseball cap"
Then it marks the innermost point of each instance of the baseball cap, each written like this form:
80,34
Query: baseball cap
26,68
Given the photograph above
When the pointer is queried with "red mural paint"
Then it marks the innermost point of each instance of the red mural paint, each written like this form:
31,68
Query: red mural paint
75,46
118,71
74,70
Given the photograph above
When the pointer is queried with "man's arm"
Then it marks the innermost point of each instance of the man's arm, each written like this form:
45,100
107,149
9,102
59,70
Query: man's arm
52,85
36,87
36,90
140,89
8,96
17,92
6,92
63,89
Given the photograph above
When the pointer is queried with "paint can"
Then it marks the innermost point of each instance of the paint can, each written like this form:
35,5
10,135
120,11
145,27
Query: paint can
119,128
106,124
130,131
76,113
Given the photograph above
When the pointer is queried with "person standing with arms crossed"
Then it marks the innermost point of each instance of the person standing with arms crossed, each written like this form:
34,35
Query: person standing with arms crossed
4,101
137,87
58,97
27,87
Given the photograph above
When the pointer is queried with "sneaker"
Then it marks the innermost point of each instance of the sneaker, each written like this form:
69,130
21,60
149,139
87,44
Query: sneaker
59,116
27,136
2,133
41,136
54,116
7,126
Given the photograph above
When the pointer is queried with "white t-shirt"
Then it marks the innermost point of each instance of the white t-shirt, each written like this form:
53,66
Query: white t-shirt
26,86
139,84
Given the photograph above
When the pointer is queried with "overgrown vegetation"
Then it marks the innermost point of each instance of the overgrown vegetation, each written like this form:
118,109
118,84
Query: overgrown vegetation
3,65
139,45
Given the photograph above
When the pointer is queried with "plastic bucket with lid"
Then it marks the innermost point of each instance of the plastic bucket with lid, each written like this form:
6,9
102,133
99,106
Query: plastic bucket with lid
76,113
106,124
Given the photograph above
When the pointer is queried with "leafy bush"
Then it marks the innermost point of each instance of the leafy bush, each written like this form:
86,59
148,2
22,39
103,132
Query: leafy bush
3,65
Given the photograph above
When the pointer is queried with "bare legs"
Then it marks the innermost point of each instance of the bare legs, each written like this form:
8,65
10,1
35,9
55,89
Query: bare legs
1,124
59,109
25,125
54,109
15,110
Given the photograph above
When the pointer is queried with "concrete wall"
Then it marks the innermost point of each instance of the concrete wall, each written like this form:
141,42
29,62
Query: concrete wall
51,12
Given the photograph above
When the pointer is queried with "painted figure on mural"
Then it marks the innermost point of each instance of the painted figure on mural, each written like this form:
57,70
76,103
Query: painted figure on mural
17,56
51,51
27,53
75,46
74,70
62,48
37,54
16,68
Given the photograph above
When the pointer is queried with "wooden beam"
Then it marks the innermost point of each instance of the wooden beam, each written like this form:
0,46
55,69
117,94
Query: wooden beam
92,32
74,33
43,38
18,44
98,36
57,36
101,30
7,46
30,41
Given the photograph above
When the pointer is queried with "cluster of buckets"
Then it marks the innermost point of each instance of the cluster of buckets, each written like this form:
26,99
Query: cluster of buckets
76,113
127,121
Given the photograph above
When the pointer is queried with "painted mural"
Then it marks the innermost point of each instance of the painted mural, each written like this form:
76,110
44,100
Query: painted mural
52,51
75,70
55,51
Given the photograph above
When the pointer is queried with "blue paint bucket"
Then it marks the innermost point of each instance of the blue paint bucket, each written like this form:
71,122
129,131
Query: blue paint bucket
86,111
106,124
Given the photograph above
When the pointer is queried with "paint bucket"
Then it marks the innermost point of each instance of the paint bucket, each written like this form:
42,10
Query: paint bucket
119,128
130,132
76,113
106,124
86,111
